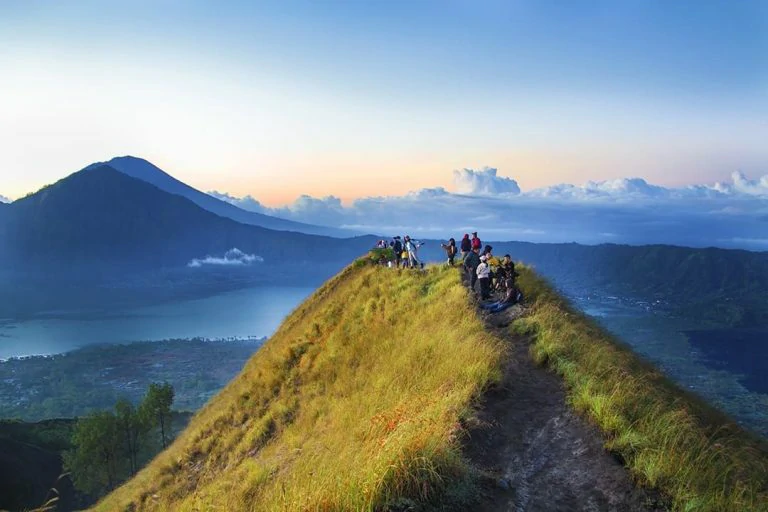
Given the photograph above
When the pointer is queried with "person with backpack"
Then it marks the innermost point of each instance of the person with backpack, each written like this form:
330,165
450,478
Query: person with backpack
466,246
471,263
484,277
476,243
397,248
450,250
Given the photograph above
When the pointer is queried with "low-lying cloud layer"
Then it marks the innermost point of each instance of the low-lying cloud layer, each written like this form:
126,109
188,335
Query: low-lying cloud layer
627,210
233,257
4,199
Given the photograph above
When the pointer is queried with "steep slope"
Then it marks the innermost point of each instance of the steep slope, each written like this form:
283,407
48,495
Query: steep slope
353,404
362,399
143,170
100,216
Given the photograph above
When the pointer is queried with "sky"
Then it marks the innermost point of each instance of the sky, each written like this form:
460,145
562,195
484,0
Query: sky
363,99
549,121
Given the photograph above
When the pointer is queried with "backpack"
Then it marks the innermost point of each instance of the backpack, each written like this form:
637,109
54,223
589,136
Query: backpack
466,245
398,247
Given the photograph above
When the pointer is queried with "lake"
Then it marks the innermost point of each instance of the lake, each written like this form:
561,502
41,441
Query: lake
241,313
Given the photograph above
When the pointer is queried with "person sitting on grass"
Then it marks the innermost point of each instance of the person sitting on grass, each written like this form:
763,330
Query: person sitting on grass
511,296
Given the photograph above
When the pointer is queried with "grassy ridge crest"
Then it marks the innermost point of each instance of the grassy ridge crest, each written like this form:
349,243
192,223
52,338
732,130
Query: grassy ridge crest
669,439
354,404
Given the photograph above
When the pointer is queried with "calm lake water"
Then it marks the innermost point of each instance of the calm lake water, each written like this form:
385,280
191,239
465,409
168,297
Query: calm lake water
240,313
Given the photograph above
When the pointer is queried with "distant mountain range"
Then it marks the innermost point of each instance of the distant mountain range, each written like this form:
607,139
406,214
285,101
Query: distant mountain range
143,170
126,220
719,286
102,218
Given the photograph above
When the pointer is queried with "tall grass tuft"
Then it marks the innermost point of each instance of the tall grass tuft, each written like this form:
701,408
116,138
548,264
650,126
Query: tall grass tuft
669,438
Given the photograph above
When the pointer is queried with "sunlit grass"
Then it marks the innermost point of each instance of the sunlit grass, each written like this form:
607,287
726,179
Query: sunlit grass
355,403
669,439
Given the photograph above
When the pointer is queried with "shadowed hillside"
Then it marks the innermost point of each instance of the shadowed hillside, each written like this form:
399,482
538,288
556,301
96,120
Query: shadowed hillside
99,216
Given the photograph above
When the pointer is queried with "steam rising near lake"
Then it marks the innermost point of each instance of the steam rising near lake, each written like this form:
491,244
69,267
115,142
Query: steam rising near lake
233,257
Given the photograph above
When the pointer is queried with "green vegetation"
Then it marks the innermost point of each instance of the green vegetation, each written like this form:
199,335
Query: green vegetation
711,287
354,404
669,439
107,445
94,378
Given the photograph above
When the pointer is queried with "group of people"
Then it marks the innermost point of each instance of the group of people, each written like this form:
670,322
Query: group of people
487,273
406,251
482,270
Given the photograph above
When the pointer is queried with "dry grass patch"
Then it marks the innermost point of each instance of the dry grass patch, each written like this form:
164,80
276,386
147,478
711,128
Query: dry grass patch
354,404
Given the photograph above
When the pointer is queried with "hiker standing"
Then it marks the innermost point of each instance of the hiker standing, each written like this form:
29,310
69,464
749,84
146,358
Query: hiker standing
466,246
484,277
450,250
412,246
470,266
476,243
397,248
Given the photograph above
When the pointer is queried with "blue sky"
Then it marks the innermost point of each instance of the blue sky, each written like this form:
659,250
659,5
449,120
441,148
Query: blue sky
357,99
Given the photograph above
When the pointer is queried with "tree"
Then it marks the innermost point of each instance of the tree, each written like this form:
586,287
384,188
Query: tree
132,426
157,406
94,461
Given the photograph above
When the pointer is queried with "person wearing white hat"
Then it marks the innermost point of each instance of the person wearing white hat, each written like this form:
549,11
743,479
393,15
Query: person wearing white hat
484,278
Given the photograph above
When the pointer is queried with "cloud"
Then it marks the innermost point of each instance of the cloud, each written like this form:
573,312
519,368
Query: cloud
246,203
622,188
233,257
625,210
483,182
743,185
4,199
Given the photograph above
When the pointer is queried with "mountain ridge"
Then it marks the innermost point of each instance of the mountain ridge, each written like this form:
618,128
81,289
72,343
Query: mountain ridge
144,170
361,399
100,215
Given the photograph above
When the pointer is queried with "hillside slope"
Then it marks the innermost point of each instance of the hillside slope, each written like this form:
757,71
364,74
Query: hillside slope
353,404
386,390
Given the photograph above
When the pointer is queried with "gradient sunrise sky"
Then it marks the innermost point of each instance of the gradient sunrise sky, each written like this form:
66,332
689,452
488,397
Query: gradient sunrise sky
277,99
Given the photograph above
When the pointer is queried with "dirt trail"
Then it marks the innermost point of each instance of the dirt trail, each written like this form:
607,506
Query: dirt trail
538,454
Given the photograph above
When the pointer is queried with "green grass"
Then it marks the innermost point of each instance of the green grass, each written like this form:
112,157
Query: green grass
354,404
670,439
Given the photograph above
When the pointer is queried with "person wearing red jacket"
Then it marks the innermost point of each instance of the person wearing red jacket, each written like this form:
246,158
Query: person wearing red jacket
476,243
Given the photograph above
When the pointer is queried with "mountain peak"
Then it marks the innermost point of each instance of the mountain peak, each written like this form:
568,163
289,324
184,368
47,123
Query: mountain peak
146,171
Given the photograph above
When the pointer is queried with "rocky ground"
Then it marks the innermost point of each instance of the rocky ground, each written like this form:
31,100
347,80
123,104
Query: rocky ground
536,453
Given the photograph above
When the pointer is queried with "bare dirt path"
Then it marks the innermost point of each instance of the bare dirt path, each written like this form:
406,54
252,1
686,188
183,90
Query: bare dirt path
538,454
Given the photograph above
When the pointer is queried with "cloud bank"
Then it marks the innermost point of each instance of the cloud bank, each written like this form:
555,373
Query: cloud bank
233,258
732,214
4,199
246,203
486,181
